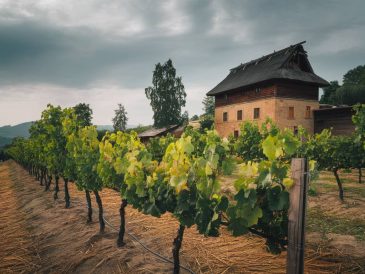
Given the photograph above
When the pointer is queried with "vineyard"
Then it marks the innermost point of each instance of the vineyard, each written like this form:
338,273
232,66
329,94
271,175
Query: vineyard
196,184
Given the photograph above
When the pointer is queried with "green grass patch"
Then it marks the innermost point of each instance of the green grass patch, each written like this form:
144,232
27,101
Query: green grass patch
318,221
312,191
358,190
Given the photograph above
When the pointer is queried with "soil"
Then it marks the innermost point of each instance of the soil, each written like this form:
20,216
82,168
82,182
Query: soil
38,234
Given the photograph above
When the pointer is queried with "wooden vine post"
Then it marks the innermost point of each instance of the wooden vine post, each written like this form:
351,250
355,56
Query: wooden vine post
296,215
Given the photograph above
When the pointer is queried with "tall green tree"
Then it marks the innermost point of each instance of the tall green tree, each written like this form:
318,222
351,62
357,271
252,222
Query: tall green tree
350,95
56,143
207,121
167,95
355,76
353,88
209,105
84,114
120,119
328,96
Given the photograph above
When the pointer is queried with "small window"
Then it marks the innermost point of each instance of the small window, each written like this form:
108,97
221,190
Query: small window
256,113
307,112
236,133
239,115
291,113
258,90
225,116
226,97
295,130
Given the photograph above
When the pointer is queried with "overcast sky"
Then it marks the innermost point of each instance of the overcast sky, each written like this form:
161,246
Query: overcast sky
104,52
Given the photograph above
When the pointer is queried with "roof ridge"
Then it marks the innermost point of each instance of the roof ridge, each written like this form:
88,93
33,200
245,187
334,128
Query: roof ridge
270,55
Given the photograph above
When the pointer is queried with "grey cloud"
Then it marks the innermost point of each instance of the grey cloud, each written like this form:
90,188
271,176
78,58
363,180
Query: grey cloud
86,44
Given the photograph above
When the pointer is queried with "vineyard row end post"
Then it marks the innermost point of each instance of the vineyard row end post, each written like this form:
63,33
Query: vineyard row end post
296,216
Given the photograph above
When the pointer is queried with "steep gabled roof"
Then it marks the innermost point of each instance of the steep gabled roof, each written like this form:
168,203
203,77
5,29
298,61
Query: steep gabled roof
290,63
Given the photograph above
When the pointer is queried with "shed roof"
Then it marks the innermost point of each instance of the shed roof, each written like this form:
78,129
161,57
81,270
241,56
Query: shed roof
153,132
272,66
334,109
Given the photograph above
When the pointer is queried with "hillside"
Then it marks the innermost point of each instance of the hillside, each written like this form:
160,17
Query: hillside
4,141
20,130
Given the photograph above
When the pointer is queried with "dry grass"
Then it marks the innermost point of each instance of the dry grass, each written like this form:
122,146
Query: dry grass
18,253
66,244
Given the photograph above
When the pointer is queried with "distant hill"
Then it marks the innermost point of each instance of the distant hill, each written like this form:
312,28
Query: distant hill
20,130
105,127
110,127
4,141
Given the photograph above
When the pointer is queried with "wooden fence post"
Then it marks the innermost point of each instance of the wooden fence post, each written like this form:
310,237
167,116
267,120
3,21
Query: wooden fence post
296,215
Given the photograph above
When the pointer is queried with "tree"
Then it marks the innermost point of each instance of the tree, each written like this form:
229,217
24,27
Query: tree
56,143
167,95
84,114
355,76
331,153
207,122
248,144
329,93
120,119
359,121
195,118
184,118
350,95
84,146
209,105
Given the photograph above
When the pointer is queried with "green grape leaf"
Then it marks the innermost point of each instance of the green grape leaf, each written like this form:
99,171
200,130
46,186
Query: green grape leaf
273,246
153,210
223,204
238,226
228,166
290,144
278,199
271,148
208,170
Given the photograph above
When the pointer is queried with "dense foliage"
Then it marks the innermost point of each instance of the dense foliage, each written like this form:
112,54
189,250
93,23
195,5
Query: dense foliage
120,118
350,93
167,95
182,176
209,105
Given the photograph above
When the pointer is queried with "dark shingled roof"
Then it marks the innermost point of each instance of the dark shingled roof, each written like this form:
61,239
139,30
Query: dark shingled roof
272,66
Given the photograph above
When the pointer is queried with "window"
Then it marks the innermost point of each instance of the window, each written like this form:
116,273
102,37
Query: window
307,112
256,113
291,113
239,115
225,116
295,130
235,134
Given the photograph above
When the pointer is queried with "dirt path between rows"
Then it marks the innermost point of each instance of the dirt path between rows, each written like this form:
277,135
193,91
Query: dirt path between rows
37,234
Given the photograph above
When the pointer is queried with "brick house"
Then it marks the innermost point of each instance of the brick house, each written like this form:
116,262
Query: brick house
281,85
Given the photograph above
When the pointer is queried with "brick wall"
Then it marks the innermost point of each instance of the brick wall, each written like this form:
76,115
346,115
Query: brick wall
273,100
275,108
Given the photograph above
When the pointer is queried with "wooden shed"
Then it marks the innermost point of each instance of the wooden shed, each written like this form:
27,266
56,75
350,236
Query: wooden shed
337,118
175,130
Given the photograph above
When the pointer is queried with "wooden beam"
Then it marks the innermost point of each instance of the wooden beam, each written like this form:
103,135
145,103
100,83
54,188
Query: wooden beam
296,215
